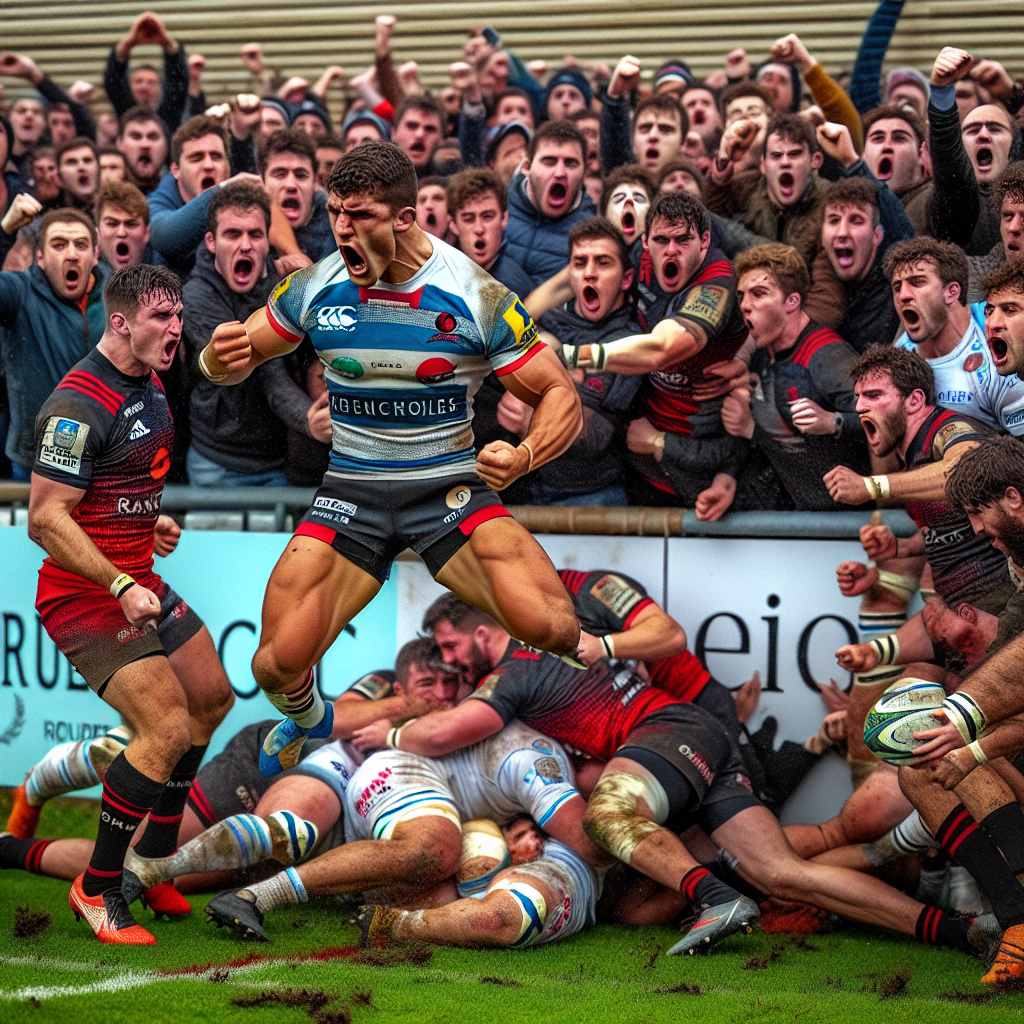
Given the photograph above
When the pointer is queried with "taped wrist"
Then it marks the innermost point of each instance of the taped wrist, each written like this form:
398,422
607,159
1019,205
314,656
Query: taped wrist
887,648
903,586
963,711
121,585
204,368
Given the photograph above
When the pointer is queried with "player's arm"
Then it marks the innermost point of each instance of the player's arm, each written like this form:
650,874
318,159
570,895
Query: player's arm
670,342
236,349
926,483
910,643
353,712
50,525
653,634
438,733
1004,739
543,384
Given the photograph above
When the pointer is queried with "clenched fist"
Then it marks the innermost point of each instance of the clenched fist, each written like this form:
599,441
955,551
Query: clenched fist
229,349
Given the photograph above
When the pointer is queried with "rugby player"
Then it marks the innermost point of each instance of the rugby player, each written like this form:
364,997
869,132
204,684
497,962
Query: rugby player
1004,317
104,439
667,762
406,327
403,816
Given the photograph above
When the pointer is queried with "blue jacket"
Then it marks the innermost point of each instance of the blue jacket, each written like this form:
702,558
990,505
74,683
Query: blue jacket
177,227
41,338
540,244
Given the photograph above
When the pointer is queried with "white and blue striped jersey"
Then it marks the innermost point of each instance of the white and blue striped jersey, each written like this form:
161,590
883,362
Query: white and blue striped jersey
966,380
403,362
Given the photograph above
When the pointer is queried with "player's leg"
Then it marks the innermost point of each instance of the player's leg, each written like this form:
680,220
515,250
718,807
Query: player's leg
311,595
150,699
766,859
873,808
513,912
204,681
64,769
505,572
54,858
422,851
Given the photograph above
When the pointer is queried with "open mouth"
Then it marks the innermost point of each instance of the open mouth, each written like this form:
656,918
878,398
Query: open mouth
243,267
653,153
355,263
557,194
170,348
787,184
628,222
208,182
670,273
591,300
870,428
290,205
431,220
844,256
479,246
84,180
698,117
998,348
884,169
144,160
984,159
72,277
122,250
910,317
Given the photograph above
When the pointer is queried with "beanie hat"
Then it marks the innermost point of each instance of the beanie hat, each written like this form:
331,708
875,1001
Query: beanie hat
279,105
903,76
378,122
495,134
673,71
312,106
568,76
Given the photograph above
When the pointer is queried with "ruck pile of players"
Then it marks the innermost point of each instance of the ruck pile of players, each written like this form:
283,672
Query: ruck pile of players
811,310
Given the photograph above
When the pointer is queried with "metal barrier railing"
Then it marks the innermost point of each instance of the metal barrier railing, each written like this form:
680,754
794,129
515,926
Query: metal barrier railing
279,503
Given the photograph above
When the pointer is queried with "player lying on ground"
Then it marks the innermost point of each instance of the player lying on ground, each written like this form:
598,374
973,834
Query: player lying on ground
624,721
103,449
403,817
407,327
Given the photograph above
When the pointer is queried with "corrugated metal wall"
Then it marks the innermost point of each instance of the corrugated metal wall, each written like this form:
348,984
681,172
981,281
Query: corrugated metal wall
70,40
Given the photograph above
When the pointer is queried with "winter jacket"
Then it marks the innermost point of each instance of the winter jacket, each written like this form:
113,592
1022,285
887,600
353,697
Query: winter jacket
540,244
241,427
41,338
175,87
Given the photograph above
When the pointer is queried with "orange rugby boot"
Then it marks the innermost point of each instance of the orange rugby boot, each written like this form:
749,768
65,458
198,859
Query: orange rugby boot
108,916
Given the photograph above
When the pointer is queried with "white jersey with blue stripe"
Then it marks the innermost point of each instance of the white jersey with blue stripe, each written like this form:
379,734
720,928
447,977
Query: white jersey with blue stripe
966,380
403,362
515,771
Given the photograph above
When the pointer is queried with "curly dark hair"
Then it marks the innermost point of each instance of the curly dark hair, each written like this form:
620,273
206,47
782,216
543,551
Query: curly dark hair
1009,275
680,208
907,370
982,474
949,260
286,140
378,169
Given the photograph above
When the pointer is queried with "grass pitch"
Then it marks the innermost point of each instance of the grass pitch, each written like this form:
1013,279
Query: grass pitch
313,972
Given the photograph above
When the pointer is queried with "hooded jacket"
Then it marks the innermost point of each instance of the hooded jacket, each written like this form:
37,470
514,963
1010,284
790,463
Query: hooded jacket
41,338
540,244
242,427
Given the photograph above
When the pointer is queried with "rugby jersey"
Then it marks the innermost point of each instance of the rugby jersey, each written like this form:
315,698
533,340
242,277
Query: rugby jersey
402,362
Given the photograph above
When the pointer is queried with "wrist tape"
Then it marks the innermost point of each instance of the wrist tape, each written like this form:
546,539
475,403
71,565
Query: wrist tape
122,583
963,711
887,648
979,755
204,368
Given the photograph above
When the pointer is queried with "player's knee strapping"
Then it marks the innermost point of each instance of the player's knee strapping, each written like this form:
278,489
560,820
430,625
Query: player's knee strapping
482,844
532,906
293,837
612,819
73,766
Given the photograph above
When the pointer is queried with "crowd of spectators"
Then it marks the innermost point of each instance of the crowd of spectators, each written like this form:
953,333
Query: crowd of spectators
737,230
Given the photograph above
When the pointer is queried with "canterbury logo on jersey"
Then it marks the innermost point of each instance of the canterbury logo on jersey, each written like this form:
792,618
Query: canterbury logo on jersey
139,429
336,318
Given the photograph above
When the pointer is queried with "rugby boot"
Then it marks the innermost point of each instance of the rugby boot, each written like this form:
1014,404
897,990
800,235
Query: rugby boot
715,923
375,924
165,901
986,936
228,909
108,916
1008,968
24,817
282,749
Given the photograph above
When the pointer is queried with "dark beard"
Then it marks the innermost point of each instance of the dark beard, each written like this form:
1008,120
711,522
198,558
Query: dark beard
891,431
1011,533
479,665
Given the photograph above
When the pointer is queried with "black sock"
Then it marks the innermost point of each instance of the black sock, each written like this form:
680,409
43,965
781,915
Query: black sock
22,854
161,836
962,838
937,928
699,886
1005,827
127,798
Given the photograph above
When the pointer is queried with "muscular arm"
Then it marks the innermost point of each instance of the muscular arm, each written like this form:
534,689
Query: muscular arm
652,635
353,712
927,483
668,344
444,731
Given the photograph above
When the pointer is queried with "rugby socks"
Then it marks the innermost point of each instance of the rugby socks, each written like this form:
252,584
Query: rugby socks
161,836
963,839
701,888
73,766
303,705
1005,827
283,890
937,928
127,797
22,854
236,842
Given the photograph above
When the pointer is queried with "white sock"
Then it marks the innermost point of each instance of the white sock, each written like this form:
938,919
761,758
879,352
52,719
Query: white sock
283,890
64,769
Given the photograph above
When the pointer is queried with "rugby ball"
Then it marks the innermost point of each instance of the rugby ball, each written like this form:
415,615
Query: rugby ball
906,707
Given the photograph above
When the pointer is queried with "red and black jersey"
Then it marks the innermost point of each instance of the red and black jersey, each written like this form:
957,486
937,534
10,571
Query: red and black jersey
608,602
110,435
707,304
963,563
592,710
605,602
